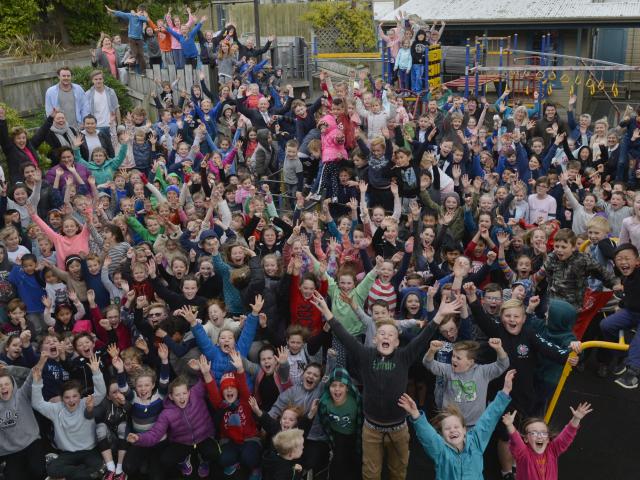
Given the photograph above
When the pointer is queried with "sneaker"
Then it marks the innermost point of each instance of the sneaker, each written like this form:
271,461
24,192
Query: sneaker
619,369
231,469
99,473
508,476
603,370
120,476
109,475
203,469
185,467
49,457
629,379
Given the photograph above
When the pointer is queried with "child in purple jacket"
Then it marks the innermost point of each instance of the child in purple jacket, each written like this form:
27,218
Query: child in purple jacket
186,422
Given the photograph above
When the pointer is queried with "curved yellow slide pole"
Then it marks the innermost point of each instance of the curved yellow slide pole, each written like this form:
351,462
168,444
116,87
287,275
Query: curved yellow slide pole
621,346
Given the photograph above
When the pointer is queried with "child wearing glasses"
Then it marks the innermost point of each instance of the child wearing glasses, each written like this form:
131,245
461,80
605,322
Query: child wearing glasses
535,452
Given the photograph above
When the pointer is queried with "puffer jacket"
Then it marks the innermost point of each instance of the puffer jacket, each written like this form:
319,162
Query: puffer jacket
332,139
186,426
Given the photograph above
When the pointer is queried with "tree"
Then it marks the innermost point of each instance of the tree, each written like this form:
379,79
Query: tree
18,17
355,25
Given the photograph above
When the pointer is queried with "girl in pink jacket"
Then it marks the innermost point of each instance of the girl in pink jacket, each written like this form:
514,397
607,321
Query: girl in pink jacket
333,151
73,240
537,454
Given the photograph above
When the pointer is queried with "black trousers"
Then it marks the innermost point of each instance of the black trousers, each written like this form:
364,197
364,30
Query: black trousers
343,465
27,464
75,465
316,458
146,459
175,453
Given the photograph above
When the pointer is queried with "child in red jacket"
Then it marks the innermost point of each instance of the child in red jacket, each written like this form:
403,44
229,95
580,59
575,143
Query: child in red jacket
239,438
301,290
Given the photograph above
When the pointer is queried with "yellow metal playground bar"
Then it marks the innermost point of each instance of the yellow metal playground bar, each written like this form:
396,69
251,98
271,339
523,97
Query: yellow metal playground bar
620,346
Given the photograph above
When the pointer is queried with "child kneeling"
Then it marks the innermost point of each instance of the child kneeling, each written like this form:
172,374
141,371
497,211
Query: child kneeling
240,440
189,427
74,433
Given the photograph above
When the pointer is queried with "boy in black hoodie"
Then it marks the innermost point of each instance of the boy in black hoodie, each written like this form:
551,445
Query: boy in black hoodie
418,55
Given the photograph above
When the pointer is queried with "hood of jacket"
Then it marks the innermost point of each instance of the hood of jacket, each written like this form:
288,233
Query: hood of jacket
262,136
422,296
330,121
560,321
5,264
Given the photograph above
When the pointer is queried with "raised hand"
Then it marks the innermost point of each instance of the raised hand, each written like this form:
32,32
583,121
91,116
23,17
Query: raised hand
118,364
436,345
204,365
236,361
141,344
581,411
320,303
283,355
253,403
508,419
113,351
257,305
163,353
46,301
495,343
94,364
508,381
409,405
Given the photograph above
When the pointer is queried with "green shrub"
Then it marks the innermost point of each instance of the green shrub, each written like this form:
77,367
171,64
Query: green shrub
354,24
18,17
37,49
81,77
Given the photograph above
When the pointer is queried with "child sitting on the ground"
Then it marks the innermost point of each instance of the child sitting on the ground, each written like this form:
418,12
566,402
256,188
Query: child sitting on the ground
240,441
75,434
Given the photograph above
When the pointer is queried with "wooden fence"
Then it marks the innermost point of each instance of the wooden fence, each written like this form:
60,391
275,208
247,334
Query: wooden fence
281,19
23,86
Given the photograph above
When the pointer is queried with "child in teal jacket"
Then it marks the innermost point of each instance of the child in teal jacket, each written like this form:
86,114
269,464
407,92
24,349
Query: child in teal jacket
458,454
101,167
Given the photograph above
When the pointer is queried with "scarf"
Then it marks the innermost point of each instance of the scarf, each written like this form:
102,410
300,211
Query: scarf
64,135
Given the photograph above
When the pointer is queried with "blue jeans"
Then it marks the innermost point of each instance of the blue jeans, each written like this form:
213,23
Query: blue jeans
623,319
417,78
404,79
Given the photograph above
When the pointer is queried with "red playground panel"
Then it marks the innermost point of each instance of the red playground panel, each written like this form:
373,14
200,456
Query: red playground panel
482,80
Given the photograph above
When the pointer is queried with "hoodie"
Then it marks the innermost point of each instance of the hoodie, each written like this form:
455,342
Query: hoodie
346,421
332,139
557,330
418,48
275,467
18,425
422,296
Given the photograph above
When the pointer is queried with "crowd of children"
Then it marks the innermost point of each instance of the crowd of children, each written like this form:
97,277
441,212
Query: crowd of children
255,283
